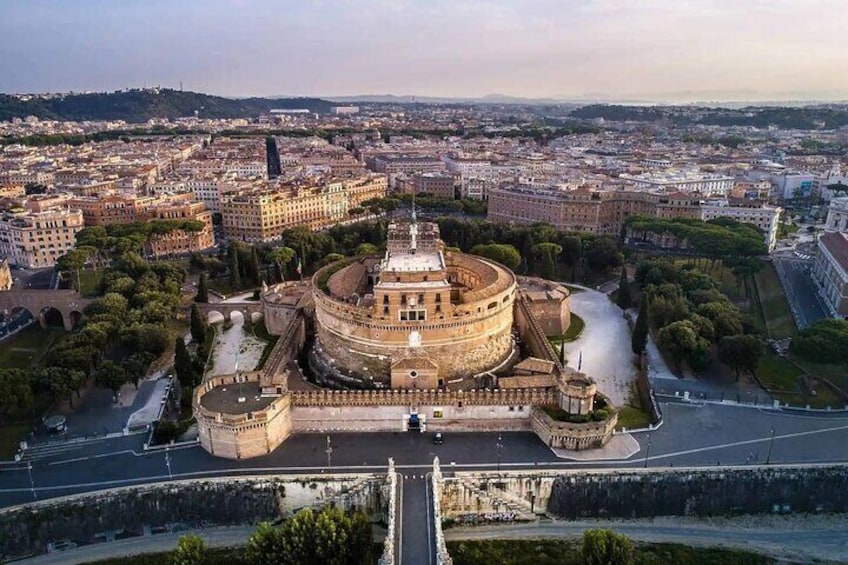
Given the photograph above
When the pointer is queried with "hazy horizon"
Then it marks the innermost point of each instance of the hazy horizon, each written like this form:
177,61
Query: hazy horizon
651,50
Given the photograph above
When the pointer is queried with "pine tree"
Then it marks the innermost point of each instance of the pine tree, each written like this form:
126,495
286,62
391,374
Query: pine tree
198,325
639,340
624,302
202,289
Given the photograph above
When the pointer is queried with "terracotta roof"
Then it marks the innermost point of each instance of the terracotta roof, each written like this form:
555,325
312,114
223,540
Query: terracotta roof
836,244
527,381
535,365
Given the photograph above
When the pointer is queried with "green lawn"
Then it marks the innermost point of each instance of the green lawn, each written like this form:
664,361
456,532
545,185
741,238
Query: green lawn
575,328
778,374
775,310
27,346
260,331
632,418
89,281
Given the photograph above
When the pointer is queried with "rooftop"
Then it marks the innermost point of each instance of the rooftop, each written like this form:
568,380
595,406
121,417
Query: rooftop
225,398
411,262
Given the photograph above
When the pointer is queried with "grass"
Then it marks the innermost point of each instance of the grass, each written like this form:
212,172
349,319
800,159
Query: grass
778,374
632,418
89,281
575,328
567,552
26,348
774,308
261,332
781,377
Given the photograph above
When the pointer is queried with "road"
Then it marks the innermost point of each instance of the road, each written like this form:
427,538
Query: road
417,538
801,292
692,434
830,543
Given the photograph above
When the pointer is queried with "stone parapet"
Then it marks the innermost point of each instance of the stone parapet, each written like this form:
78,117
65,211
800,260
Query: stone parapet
572,435
399,397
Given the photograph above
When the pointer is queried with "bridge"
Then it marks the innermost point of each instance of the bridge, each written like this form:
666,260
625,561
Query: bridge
68,303
226,309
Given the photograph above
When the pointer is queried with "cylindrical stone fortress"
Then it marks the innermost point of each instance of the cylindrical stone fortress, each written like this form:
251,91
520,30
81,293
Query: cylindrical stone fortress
419,317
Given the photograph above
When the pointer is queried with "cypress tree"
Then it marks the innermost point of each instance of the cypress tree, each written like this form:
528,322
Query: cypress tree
198,325
202,289
640,330
624,302
235,277
183,366
255,273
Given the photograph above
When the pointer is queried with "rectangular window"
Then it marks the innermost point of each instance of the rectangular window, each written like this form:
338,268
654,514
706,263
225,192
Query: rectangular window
413,315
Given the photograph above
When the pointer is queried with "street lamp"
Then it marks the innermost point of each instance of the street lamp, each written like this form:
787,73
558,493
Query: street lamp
771,444
31,481
329,452
499,447
647,451
168,463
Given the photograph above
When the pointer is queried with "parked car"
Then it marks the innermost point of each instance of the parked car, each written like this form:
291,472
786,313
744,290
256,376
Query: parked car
438,439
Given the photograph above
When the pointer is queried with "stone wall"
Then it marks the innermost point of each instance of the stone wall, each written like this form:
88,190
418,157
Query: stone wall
701,492
394,418
638,493
571,435
532,335
240,436
210,502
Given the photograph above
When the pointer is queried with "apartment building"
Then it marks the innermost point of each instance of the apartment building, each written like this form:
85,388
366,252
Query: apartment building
604,211
437,184
263,213
765,217
709,185
183,240
38,238
830,272
837,215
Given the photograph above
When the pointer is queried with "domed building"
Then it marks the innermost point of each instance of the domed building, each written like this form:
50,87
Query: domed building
418,317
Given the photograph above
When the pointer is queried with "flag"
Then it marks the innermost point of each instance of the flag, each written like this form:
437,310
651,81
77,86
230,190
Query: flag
562,352
299,267
580,360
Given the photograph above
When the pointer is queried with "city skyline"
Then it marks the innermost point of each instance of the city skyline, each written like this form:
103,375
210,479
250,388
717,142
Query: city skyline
606,49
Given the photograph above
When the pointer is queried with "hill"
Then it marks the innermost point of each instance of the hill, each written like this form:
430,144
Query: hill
141,105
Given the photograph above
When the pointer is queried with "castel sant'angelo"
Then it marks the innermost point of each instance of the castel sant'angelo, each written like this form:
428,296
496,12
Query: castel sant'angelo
422,337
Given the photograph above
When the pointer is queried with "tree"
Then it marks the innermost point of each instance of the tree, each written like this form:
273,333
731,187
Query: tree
366,249
624,300
202,289
15,392
639,339
825,341
198,325
603,255
110,375
329,537
183,366
255,270
605,547
680,340
191,550
235,277
281,256
135,366
507,255
546,255
741,353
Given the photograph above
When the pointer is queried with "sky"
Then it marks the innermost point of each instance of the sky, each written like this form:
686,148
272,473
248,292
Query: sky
672,50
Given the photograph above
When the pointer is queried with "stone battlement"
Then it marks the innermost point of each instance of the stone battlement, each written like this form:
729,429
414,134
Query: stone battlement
400,397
